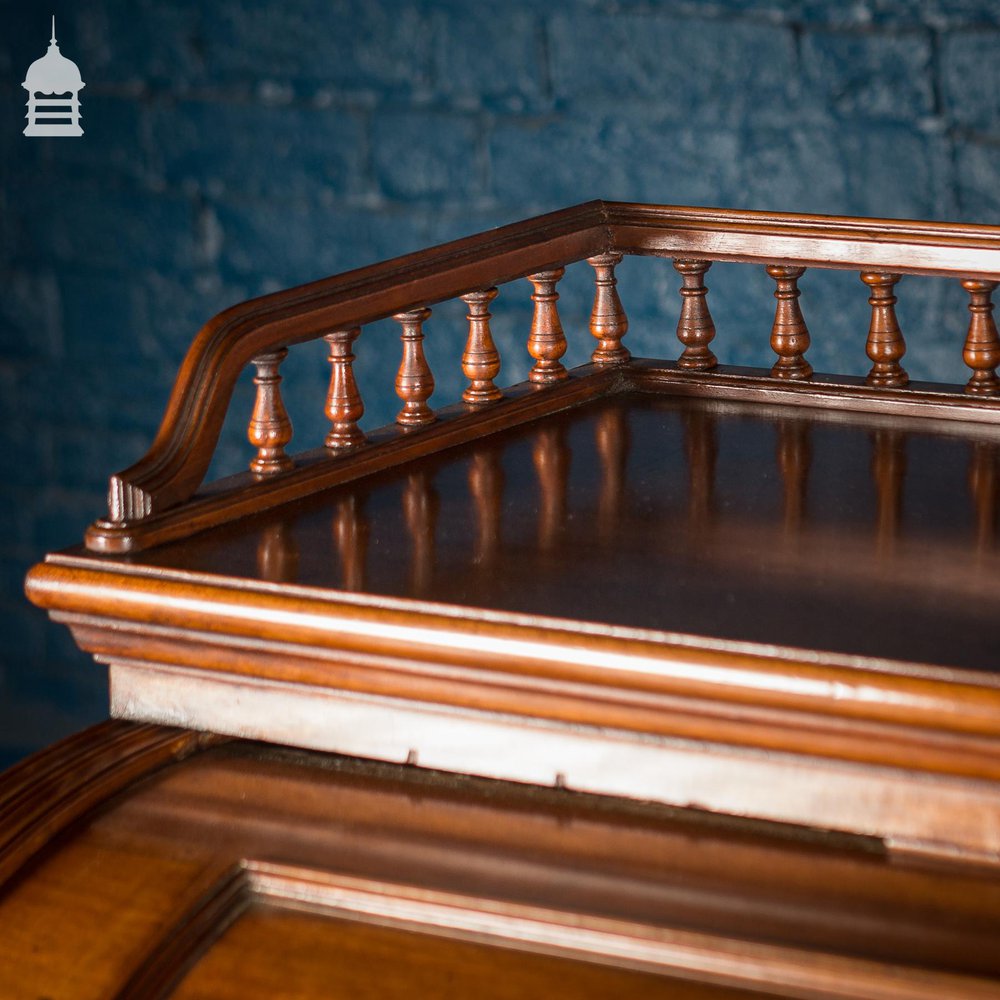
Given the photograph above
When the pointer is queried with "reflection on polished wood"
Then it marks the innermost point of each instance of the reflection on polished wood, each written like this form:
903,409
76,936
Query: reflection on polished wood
551,456
794,461
983,483
733,482
701,448
611,435
889,475
486,485
278,553
350,534
421,503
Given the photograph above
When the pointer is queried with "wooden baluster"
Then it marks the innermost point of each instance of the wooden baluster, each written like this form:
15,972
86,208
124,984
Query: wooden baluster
414,383
278,554
789,334
885,345
547,342
269,429
612,439
889,472
695,328
350,534
420,509
983,487
344,407
608,322
486,483
551,457
481,360
794,460
701,448
982,346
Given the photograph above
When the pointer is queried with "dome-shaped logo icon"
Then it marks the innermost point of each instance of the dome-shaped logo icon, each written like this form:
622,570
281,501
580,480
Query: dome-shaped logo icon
53,84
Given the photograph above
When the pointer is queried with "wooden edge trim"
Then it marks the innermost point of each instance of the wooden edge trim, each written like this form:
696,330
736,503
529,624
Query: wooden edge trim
319,470
841,394
41,796
190,936
668,951
945,700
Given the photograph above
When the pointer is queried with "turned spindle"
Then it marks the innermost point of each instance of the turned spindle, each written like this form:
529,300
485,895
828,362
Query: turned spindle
414,383
982,346
269,429
547,342
695,329
350,535
608,322
794,460
789,334
481,359
885,345
551,458
420,510
486,484
344,407
611,436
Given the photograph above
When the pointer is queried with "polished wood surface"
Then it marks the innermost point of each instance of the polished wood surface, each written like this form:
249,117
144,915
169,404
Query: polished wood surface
870,542
241,870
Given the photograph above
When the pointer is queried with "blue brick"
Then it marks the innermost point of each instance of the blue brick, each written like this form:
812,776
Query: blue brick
421,155
489,54
279,245
247,151
623,157
30,315
892,170
350,43
104,226
728,71
970,77
978,167
868,75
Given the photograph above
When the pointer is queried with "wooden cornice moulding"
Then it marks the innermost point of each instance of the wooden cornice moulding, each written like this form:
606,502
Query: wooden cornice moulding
889,750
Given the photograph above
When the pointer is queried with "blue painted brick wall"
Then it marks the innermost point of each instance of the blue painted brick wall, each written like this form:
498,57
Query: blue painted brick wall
238,147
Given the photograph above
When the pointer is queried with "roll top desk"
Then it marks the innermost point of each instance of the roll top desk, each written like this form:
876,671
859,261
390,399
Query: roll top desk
660,676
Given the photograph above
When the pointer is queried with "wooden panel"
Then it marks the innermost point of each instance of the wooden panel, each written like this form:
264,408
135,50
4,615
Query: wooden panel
154,884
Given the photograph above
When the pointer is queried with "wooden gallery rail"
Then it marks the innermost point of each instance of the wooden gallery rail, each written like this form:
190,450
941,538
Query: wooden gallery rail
156,500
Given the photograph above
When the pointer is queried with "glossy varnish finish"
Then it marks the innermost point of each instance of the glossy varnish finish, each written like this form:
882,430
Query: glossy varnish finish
243,871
